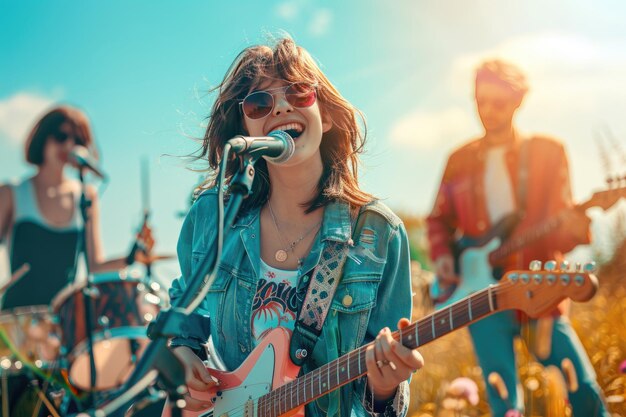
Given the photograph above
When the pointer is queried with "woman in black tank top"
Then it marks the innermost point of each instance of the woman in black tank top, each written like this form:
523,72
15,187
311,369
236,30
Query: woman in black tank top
40,219
46,239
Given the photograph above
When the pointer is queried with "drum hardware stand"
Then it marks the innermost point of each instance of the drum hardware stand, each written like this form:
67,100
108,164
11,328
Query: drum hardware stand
43,399
152,396
64,382
145,202
134,348
5,392
158,362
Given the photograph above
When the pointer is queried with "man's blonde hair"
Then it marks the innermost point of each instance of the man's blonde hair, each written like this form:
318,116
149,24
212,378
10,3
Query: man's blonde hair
504,73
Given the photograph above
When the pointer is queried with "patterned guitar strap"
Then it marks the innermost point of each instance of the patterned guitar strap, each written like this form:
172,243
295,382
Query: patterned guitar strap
316,304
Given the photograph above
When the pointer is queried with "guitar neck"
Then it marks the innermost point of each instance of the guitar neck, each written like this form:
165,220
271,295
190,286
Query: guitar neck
352,366
604,199
513,245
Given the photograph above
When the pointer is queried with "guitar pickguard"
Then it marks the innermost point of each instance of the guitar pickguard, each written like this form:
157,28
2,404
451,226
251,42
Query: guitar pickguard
232,402
475,271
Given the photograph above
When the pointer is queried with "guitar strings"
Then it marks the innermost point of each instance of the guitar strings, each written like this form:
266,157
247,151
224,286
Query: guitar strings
333,367
287,390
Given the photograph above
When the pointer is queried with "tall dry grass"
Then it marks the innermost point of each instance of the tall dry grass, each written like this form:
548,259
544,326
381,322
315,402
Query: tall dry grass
600,324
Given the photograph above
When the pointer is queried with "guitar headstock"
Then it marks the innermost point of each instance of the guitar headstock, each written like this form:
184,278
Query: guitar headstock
605,199
538,291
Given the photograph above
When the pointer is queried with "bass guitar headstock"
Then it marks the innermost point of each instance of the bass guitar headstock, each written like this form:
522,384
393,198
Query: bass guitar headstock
605,199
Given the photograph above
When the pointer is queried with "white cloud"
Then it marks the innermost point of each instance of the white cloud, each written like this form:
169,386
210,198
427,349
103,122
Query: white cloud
18,113
430,129
288,10
320,22
562,59
317,20
574,83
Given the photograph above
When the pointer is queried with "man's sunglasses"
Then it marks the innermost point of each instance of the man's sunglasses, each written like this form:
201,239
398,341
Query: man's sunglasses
259,104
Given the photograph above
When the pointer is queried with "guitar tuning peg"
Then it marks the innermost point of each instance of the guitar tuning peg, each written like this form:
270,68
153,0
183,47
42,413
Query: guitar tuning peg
564,266
609,182
550,266
590,267
535,265
579,267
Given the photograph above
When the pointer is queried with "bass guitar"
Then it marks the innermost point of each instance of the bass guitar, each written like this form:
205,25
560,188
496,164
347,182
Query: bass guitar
475,258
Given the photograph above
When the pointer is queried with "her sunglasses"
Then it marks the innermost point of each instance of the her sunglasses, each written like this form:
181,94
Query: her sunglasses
61,137
260,104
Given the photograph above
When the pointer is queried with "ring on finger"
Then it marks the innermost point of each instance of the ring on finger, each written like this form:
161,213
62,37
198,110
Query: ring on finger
382,363
377,347
392,365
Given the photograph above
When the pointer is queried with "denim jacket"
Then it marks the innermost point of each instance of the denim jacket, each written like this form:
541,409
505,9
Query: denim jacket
376,277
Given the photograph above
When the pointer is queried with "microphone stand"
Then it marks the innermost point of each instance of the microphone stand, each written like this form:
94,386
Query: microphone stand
171,373
87,291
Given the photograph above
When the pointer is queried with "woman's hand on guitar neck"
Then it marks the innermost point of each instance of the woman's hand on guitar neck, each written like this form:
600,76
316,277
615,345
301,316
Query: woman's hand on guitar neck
444,269
389,363
196,376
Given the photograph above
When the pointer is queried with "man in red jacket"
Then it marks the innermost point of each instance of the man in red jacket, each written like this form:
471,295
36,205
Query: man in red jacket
505,177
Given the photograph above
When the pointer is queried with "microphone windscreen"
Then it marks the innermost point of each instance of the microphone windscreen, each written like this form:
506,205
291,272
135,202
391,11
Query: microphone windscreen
290,146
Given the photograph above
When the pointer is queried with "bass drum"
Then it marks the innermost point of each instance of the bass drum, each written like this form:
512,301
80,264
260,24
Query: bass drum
122,306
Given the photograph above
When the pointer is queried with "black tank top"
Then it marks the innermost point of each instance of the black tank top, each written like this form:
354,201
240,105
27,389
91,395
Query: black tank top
50,251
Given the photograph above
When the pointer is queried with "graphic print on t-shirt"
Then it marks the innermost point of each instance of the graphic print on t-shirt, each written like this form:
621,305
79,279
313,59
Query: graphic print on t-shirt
274,303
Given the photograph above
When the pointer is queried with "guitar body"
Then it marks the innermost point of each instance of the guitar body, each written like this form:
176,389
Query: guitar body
266,368
474,256
472,262
475,271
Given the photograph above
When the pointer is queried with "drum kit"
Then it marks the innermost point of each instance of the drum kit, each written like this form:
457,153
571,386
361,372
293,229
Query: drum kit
51,341
95,326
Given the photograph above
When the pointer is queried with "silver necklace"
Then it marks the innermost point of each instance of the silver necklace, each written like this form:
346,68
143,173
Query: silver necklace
281,255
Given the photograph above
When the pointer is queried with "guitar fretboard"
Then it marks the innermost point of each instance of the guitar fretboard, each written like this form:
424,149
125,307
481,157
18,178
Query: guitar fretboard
349,367
513,245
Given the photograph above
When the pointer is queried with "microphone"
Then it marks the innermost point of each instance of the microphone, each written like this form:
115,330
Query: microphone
276,147
80,156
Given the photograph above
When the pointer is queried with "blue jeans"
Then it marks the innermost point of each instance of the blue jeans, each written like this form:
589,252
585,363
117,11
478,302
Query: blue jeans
493,343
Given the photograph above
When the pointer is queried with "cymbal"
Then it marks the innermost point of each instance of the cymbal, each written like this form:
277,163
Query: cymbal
149,259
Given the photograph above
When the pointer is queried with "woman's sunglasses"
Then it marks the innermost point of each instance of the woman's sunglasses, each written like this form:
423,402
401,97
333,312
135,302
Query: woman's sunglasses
260,104
61,137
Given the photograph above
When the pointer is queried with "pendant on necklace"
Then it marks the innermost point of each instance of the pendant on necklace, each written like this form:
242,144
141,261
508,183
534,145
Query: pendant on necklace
280,255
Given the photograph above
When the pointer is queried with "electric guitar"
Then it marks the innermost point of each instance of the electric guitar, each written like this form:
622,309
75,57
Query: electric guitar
475,257
266,384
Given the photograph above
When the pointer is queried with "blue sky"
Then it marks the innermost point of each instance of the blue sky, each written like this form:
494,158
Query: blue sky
141,71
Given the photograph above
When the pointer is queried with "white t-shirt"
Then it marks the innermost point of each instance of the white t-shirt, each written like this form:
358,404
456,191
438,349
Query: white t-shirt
275,301
498,190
